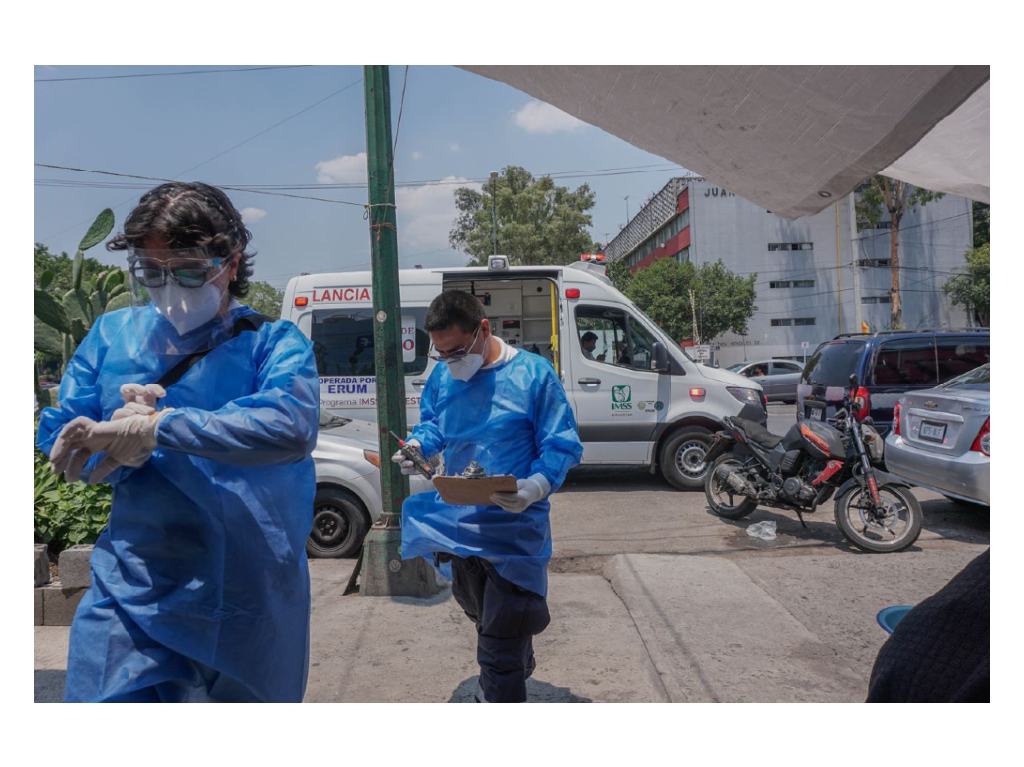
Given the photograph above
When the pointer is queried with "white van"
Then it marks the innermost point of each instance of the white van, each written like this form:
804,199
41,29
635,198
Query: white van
637,397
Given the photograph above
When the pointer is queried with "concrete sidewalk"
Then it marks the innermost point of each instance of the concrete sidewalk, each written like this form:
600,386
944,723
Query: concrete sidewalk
652,627
378,649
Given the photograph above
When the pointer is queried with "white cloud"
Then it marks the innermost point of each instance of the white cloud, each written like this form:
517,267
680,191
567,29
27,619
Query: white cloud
539,117
454,147
252,215
346,169
417,155
425,216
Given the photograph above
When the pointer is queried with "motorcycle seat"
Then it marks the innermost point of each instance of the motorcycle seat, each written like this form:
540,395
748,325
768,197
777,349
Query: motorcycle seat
756,433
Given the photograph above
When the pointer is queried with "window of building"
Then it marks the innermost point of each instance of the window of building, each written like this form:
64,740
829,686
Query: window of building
683,256
874,262
785,322
790,246
791,284
876,299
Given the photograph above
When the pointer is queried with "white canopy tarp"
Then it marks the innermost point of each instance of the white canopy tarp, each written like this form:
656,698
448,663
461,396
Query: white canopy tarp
790,138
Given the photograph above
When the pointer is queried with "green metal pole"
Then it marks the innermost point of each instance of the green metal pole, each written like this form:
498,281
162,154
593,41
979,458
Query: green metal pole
387,328
384,573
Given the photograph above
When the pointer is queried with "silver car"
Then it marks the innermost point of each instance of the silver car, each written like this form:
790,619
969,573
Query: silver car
347,486
778,378
940,438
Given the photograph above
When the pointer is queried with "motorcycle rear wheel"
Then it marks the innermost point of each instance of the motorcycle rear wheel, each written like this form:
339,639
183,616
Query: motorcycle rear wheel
895,532
723,500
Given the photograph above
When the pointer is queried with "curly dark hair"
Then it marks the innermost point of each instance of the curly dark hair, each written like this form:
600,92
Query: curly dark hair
189,215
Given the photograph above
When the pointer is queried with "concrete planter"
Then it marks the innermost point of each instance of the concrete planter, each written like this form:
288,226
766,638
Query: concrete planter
56,602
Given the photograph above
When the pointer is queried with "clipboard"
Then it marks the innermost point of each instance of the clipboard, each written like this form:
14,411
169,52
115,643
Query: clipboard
462,491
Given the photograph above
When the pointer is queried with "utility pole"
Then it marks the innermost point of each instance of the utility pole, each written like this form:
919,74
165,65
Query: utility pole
626,198
839,278
384,572
854,258
693,307
494,211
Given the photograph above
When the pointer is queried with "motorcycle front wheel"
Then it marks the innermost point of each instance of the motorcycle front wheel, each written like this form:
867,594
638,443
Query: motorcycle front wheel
892,528
723,500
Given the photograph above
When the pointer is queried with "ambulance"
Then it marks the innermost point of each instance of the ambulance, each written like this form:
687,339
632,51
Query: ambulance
638,398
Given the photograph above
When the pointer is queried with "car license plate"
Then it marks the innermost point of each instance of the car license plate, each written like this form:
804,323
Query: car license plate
933,432
816,413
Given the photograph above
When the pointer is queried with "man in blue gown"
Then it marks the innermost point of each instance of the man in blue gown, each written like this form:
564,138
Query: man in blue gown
506,410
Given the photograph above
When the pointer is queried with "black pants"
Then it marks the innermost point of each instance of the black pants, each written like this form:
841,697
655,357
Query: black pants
506,617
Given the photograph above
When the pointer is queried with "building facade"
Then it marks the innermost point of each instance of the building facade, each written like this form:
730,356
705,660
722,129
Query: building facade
817,276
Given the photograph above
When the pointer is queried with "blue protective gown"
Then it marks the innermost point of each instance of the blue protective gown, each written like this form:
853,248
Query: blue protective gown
513,419
200,586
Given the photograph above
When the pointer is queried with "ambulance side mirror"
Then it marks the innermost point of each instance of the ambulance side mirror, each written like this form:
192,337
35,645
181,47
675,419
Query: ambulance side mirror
660,363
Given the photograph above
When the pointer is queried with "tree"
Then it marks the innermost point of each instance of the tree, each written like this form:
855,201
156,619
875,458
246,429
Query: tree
897,197
265,298
618,272
980,214
60,267
725,301
538,222
64,317
971,290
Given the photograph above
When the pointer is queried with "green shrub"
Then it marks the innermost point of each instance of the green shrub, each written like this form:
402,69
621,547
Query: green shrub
67,513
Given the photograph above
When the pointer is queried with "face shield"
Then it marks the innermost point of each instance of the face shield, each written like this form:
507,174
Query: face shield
179,299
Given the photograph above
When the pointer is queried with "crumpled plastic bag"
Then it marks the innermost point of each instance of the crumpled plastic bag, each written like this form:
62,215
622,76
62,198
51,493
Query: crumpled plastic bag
763,530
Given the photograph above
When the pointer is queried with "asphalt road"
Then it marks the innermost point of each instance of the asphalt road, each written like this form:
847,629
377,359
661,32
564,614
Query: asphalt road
602,511
813,572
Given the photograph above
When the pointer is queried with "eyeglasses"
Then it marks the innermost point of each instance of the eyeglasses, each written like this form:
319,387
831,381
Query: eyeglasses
188,272
455,354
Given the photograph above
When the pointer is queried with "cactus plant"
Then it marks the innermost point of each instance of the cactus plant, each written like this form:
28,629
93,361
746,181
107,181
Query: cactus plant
62,323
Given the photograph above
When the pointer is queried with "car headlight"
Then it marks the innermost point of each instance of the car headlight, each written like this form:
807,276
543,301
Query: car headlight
746,396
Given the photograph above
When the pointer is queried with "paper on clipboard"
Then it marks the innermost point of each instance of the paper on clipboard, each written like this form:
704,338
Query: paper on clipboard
462,491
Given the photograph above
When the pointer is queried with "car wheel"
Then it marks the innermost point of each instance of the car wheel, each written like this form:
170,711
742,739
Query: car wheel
682,457
340,523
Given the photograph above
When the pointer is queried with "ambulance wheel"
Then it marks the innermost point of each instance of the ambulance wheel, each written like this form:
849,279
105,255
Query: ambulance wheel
682,457
339,524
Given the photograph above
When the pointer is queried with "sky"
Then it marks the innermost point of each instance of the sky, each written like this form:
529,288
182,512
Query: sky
305,126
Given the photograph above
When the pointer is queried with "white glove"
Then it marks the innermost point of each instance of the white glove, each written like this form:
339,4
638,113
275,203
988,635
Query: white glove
138,399
408,467
528,492
128,441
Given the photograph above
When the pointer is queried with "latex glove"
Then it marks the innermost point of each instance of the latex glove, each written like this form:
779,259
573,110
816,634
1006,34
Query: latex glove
528,492
128,441
408,467
139,399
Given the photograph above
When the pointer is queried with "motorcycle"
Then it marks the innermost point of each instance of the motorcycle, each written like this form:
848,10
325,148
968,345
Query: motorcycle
750,466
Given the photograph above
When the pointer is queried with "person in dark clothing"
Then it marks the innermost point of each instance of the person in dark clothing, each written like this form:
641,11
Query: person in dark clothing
939,652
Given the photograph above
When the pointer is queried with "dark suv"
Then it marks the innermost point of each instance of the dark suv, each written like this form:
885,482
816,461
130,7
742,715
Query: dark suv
887,364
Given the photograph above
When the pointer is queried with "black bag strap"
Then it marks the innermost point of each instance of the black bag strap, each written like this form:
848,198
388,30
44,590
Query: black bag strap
242,324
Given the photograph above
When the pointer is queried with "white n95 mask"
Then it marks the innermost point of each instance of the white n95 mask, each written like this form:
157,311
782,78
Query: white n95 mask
188,308
465,367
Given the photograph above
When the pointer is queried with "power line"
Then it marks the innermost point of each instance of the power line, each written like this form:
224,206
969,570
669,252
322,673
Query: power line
222,186
214,157
169,74
401,107
270,128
